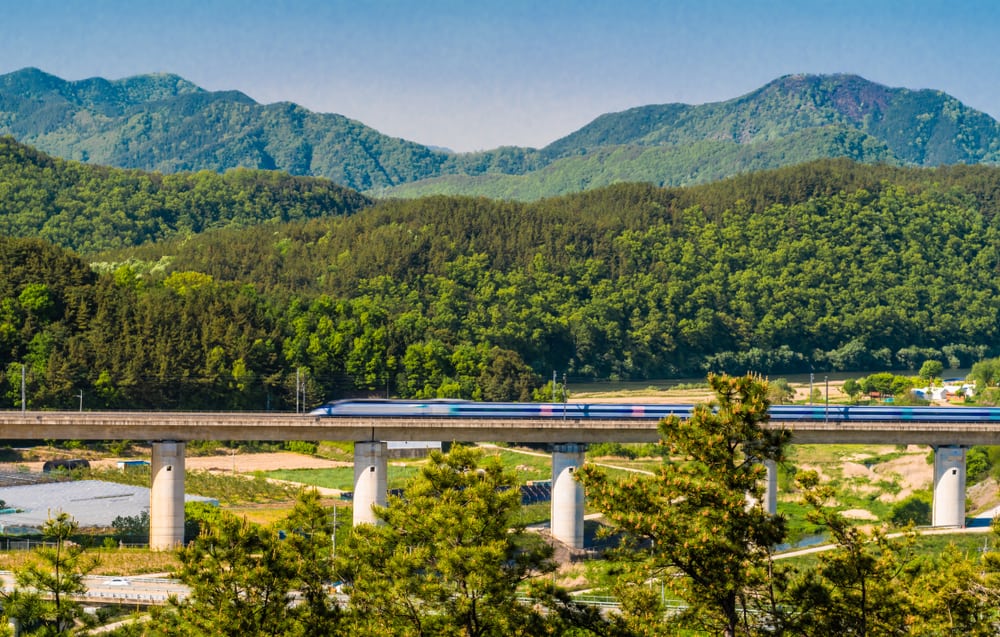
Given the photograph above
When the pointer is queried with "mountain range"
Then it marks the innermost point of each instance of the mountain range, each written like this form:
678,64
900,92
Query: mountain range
162,122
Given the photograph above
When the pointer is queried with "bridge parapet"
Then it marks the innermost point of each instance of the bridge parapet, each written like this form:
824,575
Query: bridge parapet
188,426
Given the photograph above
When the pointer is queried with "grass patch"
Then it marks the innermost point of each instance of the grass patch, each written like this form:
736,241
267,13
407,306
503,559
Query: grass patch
526,464
335,450
126,561
535,513
264,516
798,526
228,489
926,547
341,478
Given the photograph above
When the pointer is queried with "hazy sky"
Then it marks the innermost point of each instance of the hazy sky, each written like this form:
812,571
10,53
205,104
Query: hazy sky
474,75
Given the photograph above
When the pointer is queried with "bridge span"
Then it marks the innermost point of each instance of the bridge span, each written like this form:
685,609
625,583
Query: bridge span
271,426
169,431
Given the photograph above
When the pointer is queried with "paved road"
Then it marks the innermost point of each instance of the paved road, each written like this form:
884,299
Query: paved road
982,523
124,590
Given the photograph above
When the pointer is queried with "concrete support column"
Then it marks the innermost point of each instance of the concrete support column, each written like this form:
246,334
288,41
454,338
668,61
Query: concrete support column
370,482
771,487
949,487
567,494
166,496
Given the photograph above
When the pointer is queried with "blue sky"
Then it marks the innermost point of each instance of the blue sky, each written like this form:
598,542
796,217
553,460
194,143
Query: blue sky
476,75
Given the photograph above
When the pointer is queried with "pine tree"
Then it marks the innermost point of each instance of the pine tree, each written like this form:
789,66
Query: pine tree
698,525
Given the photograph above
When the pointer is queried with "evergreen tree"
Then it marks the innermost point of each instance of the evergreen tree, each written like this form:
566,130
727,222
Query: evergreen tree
243,578
447,557
698,525
42,601
862,587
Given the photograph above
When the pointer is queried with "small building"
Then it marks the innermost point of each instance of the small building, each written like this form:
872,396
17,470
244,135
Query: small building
132,464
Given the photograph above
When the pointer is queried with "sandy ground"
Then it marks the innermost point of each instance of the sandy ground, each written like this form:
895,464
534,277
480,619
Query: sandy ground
233,463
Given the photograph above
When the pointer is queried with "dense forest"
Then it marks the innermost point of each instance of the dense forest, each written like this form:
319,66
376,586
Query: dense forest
92,208
831,265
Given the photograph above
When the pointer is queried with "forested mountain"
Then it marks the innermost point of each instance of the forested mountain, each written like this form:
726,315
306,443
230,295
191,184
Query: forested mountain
831,265
164,123
924,127
93,208
793,119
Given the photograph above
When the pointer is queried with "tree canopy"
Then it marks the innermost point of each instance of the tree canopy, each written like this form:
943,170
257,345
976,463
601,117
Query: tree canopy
826,266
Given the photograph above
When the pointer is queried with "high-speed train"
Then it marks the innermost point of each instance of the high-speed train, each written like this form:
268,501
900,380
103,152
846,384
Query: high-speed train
381,408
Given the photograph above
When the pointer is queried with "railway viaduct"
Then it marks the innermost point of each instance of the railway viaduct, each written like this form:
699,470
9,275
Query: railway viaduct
169,431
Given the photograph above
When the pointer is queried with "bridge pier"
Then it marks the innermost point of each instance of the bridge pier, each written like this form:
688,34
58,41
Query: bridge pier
771,487
949,486
567,494
370,480
166,496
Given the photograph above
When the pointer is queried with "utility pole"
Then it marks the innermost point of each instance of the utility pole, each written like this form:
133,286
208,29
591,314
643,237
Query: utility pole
565,396
81,399
333,538
827,379
24,402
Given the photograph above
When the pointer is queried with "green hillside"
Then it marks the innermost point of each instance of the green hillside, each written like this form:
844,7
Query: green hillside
830,265
793,119
93,208
164,123
699,162
927,128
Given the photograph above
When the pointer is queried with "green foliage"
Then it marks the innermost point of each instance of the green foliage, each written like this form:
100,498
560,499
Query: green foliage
964,595
302,446
858,589
623,450
886,384
170,125
931,370
41,600
915,510
448,557
852,388
180,127
986,374
977,464
91,208
691,525
780,392
982,462
989,397
468,298
795,119
226,489
241,577
131,528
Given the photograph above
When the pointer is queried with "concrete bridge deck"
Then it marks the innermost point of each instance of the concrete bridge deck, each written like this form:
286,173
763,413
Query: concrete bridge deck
187,426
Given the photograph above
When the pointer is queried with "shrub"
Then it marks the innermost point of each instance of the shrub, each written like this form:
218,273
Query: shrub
977,464
620,450
915,509
302,446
